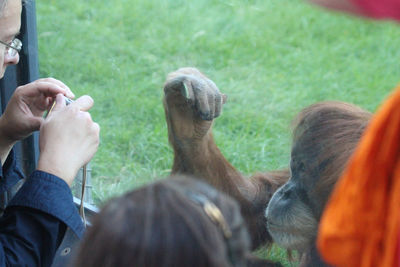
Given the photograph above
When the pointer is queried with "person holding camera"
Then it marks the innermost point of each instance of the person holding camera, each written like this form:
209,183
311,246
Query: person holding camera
360,225
35,221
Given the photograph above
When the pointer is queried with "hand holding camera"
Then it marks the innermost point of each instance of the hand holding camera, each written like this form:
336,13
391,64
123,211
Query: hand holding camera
24,111
68,138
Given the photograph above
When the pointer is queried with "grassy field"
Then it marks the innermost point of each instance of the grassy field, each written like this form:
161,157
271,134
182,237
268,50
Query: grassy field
271,58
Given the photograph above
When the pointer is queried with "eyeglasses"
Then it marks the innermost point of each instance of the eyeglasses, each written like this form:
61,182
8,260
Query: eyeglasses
12,48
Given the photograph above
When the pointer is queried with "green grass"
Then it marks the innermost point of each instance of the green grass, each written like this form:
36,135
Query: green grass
270,57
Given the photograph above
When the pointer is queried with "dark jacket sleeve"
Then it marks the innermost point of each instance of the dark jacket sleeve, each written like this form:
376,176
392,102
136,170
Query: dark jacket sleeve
36,219
10,174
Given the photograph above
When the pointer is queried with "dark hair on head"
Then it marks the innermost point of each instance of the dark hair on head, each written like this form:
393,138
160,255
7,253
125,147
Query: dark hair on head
325,136
165,224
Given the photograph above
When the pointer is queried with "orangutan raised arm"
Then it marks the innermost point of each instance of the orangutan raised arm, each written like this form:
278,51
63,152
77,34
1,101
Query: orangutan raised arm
191,103
324,137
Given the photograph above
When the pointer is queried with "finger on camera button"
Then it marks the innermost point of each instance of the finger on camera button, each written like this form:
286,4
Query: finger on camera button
84,103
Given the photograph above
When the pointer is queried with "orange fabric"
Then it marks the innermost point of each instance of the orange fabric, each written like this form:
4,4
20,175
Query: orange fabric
360,225
398,250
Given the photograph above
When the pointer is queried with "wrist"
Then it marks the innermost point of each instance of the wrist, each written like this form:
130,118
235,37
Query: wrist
6,143
5,136
58,170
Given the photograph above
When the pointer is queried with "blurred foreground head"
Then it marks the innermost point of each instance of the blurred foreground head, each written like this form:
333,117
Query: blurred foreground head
173,222
377,9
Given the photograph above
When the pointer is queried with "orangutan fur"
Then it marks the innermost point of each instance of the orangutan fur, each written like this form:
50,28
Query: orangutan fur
324,137
191,102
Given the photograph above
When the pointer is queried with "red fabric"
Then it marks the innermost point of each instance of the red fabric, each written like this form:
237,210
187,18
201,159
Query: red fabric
361,222
380,9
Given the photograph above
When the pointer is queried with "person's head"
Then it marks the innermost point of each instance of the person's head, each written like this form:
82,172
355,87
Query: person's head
10,23
342,5
377,9
179,221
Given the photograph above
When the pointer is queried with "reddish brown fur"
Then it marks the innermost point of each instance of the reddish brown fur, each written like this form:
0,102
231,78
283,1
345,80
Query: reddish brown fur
324,136
327,132
196,153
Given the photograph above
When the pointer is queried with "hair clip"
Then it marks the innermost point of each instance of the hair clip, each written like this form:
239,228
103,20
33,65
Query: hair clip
212,211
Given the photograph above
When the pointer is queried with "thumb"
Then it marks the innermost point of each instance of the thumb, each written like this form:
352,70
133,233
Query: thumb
58,103
84,103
